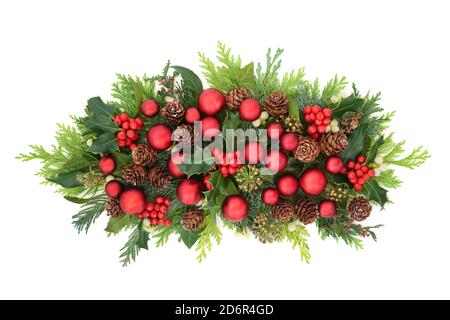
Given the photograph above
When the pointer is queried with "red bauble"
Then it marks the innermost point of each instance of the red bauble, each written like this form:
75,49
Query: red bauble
250,110
270,196
159,137
313,182
334,165
175,158
287,185
276,161
132,201
289,142
235,208
327,208
192,114
107,165
189,191
211,102
149,108
113,188
274,130
210,127
254,152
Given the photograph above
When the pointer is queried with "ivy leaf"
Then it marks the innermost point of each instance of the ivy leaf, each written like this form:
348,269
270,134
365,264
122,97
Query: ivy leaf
98,108
349,104
294,109
67,179
76,199
374,192
189,238
106,143
191,80
355,144
115,225
371,155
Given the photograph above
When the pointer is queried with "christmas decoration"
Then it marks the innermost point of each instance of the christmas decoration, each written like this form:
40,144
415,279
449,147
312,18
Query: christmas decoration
184,180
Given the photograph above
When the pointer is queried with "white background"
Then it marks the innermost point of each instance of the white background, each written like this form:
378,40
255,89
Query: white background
57,54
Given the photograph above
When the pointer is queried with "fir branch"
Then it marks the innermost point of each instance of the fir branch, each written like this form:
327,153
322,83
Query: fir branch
388,179
137,240
298,238
210,231
90,212
333,87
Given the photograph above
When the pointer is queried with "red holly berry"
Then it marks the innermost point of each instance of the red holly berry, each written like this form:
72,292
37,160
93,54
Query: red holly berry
315,136
129,142
122,143
364,168
357,166
320,115
308,117
307,109
160,221
359,173
326,121
354,180
361,159
371,172
126,125
351,164
139,122
167,202
321,128
157,206
318,122
231,170
121,135
160,215
351,174
327,112
130,134
316,109
159,200
145,214
224,171
133,124
366,176
312,129
150,206
168,223
312,117
153,214
361,181
117,120
132,146
358,186
124,117
153,221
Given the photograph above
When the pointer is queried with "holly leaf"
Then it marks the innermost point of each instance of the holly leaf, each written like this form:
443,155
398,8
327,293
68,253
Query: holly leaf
76,199
142,240
294,109
66,179
189,238
372,153
247,76
349,104
355,144
232,121
106,143
115,225
138,96
99,123
374,192
122,160
97,107
206,163
191,80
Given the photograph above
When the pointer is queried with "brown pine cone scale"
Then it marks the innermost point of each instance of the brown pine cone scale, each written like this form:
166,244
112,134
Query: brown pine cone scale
113,209
306,211
359,209
159,177
307,150
234,98
135,174
143,154
192,220
283,211
173,113
277,104
333,143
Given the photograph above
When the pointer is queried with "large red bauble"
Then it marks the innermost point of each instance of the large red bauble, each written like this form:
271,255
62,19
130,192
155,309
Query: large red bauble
189,191
211,102
289,142
276,161
113,188
175,158
107,164
250,110
287,185
192,114
132,201
254,152
334,165
210,127
235,208
270,196
149,108
313,182
327,208
274,130
159,137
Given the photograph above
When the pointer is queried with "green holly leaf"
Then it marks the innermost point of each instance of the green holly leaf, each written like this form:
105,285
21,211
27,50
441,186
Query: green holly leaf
206,164
66,179
373,151
122,160
97,107
374,192
232,121
106,143
138,96
143,238
355,144
100,124
76,199
189,238
349,104
294,109
247,77
115,225
191,80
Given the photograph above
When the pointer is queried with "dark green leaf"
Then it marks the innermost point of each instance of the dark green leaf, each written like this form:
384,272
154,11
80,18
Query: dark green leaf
355,144
191,80
372,153
294,109
98,108
349,104
138,96
115,225
90,211
189,238
100,124
105,143
232,121
67,179
142,242
76,200
374,192
122,160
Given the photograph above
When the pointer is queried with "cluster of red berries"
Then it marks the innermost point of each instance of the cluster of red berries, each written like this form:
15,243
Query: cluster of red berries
228,163
206,183
128,135
318,118
358,173
157,211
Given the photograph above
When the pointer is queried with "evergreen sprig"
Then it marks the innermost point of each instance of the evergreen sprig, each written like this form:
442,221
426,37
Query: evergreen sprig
90,211
209,233
298,238
137,240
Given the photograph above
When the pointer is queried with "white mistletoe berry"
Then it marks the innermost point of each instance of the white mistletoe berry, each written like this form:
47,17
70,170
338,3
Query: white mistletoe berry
264,115
256,123
334,123
146,222
335,99
377,171
89,142
169,99
379,160
334,129
109,178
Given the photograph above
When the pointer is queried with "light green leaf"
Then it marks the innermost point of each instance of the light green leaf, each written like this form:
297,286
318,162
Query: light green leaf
115,225
67,179
294,109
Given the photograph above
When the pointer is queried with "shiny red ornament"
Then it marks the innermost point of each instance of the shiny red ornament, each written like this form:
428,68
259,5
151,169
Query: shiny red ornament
107,164
174,160
250,110
334,165
192,114
289,142
276,161
159,137
189,191
149,108
270,196
327,208
113,188
274,130
254,152
287,185
313,182
235,208
211,102
210,127
132,201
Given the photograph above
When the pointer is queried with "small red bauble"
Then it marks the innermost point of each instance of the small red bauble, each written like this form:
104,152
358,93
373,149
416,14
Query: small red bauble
211,102
334,165
289,142
175,158
159,137
270,196
210,127
192,114
149,108
254,152
189,191
327,208
132,201
274,130
250,110
276,161
287,185
235,208
113,188
107,165
313,182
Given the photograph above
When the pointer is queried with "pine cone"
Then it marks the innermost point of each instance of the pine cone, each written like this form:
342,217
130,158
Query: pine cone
113,209
173,113
277,104
292,124
283,211
306,211
143,154
265,230
192,220
308,150
359,209
350,122
333,143
235,97
134,174
159,177
184,134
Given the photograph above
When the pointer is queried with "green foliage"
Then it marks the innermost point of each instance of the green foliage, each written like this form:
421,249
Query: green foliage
388,179
90,211
333,87
393,152
349,104
298,239
372,153
115,225
374,192
191,86
209,232
355,144
137,240
129,93
66,179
